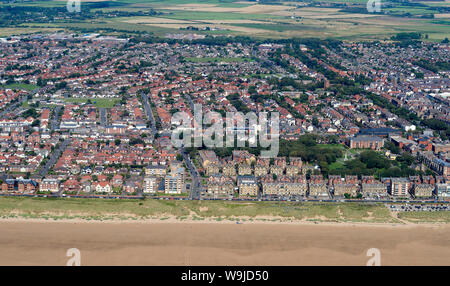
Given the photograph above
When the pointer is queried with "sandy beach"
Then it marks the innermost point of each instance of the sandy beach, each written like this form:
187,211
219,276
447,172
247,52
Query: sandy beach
39,242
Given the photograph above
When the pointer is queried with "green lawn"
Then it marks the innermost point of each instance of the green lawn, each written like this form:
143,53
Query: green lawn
24,86
336,165
99,102
216,60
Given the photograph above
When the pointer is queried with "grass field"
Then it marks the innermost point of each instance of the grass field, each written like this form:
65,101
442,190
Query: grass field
98,102
435,217
24,86
217,60
64,208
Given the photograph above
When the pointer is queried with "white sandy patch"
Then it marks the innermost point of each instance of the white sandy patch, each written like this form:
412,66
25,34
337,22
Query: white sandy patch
158,20
442,16
254,9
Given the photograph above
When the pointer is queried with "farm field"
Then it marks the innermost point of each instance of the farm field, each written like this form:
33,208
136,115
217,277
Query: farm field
281,20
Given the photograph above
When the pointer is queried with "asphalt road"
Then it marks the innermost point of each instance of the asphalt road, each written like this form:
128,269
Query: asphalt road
195,186
54,157
149,112
55,120
13,106
22,99
103,116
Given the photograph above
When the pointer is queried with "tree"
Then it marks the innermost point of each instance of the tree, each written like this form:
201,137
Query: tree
35,123
373,160
406,158
392,147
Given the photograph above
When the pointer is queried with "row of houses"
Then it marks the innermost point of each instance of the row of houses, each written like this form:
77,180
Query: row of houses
174,183
337,186
243,163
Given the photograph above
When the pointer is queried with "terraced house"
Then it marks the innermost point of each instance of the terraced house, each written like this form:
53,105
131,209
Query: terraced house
212,169
229,168
262,167
317,186
220,187
424,189
372,188
278,166
295,166
244,169
284,186
341,186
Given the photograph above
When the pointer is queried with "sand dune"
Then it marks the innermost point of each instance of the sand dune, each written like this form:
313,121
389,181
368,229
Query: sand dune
46,243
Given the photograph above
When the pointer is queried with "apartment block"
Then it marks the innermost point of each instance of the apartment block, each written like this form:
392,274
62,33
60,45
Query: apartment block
399,187
150,185
366,142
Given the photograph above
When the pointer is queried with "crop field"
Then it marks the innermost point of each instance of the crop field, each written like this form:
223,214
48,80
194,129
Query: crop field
279,20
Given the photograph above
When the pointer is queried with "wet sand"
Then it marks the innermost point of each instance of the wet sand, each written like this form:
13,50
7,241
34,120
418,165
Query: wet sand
46,243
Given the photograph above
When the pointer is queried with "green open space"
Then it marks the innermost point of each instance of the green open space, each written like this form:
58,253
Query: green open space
65,208
98,102
23,86
424,217
216,60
